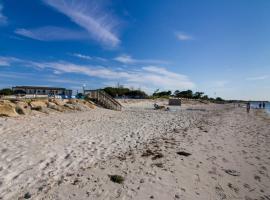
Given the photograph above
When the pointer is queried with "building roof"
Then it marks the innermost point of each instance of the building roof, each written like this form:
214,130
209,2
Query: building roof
39,87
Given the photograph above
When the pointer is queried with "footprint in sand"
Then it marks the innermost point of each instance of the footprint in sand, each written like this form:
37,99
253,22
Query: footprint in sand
264,168
232,187
257,178
220,193
232,172
247,186
219,147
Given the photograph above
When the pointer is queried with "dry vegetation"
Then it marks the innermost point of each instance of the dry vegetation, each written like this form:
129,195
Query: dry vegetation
13,108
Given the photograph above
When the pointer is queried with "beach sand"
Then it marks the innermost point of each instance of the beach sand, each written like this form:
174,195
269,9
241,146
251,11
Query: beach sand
197,152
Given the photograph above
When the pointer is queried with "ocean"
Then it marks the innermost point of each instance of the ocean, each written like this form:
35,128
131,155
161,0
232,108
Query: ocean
256,105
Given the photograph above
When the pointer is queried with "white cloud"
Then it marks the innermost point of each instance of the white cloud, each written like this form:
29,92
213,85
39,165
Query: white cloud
78,55
87,57
148,77
51,33
101,59
127,59
3,18
63,80
4,62
95,71
90,16
257,78
158,77
16,75
7,61
57,72
183,36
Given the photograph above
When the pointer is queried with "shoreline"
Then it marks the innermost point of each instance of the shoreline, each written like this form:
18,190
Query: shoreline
263,114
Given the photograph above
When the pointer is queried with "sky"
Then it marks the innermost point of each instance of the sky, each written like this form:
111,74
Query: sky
220,47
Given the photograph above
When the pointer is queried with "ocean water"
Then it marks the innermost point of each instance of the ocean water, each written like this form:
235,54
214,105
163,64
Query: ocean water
256,105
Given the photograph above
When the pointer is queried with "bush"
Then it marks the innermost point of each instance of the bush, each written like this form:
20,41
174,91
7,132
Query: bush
184,94
125,92
198,95
80,96
164,94
219,99
6,91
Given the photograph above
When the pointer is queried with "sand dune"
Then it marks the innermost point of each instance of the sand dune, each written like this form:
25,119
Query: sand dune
215,152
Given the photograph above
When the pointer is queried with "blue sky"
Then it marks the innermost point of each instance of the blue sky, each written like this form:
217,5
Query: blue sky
219,47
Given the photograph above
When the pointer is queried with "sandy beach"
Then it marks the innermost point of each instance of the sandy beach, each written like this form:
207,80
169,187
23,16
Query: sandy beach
204,152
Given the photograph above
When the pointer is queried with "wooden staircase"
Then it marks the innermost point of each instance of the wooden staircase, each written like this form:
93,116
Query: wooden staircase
103,99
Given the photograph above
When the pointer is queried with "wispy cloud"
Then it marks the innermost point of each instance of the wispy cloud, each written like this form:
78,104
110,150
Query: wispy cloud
89,70
64,80
150,77
51,33
158,77
12,78
16,75
257,78
183,36
127,59
7,61
86,57
90,16
4,62
3,18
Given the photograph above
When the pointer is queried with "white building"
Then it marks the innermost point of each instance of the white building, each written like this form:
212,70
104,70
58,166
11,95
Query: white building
37,90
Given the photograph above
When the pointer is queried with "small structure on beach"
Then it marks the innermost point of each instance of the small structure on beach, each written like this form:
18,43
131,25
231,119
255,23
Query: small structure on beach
38,90
175,102
103,99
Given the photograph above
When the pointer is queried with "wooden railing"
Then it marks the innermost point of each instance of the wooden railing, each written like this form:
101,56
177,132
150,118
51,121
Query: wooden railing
103,99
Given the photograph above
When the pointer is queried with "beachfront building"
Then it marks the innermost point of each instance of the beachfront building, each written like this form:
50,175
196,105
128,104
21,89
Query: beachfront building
37,90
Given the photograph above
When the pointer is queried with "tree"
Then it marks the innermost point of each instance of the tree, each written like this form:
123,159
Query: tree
114,92
162,94
137,94
205,97
176,93
198,95
185,94
121,91
219,99
6,91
